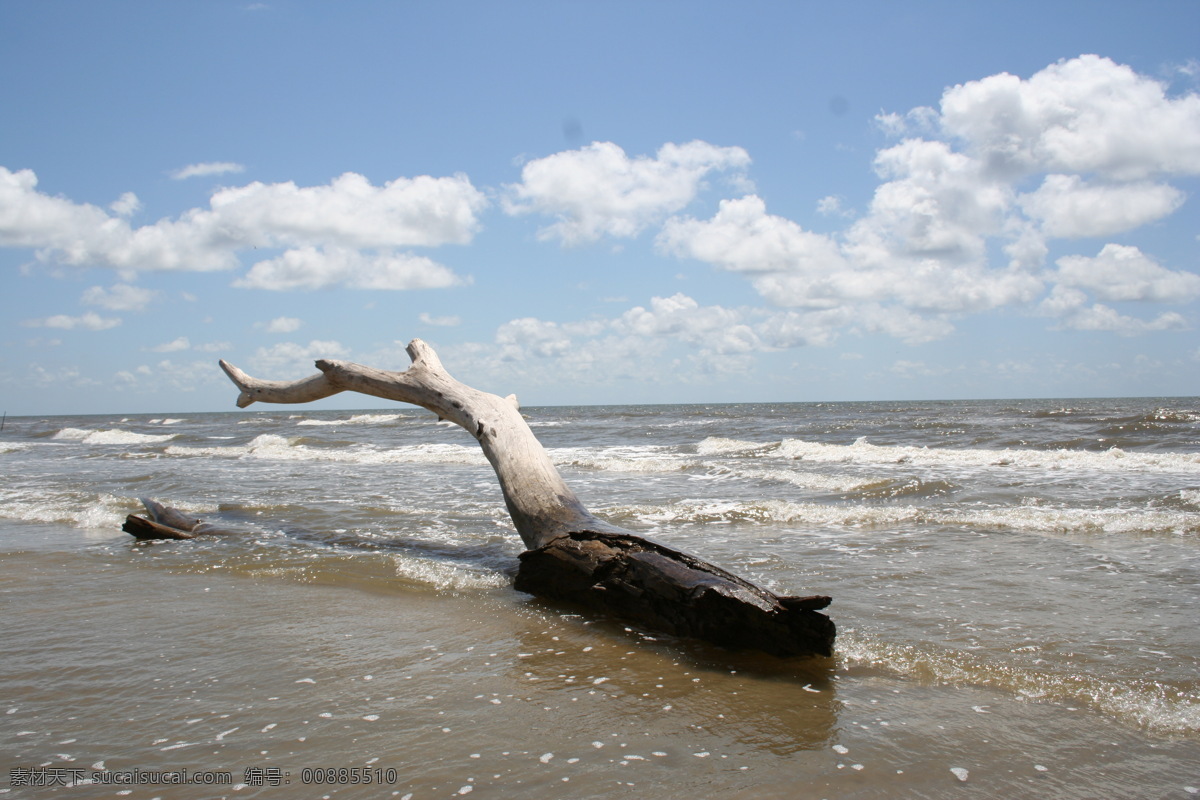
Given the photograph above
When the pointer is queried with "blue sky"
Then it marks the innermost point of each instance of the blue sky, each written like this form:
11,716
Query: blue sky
600,202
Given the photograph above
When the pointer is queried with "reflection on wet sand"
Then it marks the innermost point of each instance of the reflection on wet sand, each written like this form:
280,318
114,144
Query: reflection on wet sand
781,705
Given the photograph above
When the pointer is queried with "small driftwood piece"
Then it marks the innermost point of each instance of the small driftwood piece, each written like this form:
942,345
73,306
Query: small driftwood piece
166,523
572,555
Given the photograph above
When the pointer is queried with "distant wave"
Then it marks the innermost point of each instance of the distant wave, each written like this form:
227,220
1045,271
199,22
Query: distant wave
804,479
1158,415
270,446
1031,519
357,419
664,459
112,436
648,458
1175,415
1062,411
765,512
717,445
778,462
864,453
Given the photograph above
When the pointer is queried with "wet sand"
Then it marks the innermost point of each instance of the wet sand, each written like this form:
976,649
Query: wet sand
138,664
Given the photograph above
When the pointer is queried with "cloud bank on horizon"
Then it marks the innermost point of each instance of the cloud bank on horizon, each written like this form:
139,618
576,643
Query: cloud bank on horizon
1011,195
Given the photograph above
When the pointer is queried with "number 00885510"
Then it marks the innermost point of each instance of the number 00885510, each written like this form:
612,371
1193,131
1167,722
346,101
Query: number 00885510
348,776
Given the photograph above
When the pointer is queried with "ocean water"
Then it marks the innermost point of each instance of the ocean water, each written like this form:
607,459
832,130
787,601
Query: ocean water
1016,586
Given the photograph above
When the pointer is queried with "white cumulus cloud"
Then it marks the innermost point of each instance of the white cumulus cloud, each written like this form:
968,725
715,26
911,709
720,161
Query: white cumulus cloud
126,205
318,223
182,343
280,325
1097,142
1121,272
313,268
291,360
791,267
742,237
350,211
713,329
529,337
171,376
1085,114
598,190
1004,172
1100,317
937,204
1068,207
442,322
121,297
206,168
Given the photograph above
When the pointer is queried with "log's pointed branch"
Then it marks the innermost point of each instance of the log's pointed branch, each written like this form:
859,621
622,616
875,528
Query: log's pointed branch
301,391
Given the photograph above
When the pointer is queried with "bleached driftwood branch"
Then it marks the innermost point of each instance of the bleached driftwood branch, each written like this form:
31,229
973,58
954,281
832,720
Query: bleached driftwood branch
572,555
542,506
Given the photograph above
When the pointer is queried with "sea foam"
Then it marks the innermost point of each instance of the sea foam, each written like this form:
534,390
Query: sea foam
103,512
1146,703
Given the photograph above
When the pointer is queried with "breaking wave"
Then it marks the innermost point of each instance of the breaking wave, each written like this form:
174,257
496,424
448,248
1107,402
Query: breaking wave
357,419
1029,519
650,458
111,436
269,446
862,452
719,446
89,512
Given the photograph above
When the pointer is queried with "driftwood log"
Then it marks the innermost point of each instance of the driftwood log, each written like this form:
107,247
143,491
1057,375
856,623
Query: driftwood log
570,554
167,523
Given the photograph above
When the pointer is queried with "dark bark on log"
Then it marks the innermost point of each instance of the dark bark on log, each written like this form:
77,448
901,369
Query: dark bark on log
572,555
142,528
670,591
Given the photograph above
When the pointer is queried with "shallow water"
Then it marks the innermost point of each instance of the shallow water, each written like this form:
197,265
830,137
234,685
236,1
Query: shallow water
1015,585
